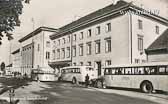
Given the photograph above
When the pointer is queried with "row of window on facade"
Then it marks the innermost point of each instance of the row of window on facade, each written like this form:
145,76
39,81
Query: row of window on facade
140,26
81,49
89,63
98,31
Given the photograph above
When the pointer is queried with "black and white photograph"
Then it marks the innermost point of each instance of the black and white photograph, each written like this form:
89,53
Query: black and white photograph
83,51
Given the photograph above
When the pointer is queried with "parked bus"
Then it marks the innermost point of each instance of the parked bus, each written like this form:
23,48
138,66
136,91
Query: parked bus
148,76
43,74
77,74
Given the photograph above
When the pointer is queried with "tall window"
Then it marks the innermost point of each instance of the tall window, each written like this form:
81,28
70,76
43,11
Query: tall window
108,62
74,64
74,37
73,51
97,46
81,50
140,24
81,36
89,33
63,53
59,41
38,47
68,52
68,39
47,43
98,30
108,45
157,29
89,46
63,40
108,27
53,54
47,55
58,53
140,42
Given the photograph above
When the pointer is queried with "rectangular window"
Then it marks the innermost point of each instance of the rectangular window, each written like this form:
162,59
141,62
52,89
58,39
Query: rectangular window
53,54
48,44
73,51
81,50
89,33
38,47
98,31
58,53
74,37
89,48
63,53
81,36
108,45
68,52
74,64
68,39
137,61
97,46
89,63
108,27
108,62
140,43
63,41
157,29
140,24
47,55
59,42
81,63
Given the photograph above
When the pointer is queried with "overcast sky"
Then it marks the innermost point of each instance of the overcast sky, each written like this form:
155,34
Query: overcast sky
56,13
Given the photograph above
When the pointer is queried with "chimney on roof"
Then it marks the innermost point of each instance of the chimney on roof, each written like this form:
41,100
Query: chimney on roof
114,2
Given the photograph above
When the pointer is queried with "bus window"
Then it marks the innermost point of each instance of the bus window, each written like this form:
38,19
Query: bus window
162,70
128,71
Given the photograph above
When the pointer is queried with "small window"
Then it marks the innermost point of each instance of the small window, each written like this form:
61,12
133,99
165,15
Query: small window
81,63
157,29
48,44
98,31
89,34
89,48
63,41
58,53
140,24
97,46
108,45
108,27
73,51
74,37
38,47
63,53
59,42
81,50
89,63
81,36
68,39
68,52
140,42
108,62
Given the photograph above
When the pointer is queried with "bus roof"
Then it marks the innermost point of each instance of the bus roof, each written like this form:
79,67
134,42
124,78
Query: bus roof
138,65
76,67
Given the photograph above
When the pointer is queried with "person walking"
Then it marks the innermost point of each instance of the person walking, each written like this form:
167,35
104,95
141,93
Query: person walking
87,80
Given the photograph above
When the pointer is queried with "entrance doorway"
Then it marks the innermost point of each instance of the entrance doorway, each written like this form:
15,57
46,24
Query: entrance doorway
98,67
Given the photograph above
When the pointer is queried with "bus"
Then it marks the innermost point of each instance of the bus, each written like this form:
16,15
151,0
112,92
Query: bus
147,76
77,74
43,74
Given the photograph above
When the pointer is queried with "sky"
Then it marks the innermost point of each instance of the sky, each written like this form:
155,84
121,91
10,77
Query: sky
57,13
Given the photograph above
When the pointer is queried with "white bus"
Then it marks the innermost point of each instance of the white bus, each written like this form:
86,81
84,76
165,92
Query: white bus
77,74
148,76
43,74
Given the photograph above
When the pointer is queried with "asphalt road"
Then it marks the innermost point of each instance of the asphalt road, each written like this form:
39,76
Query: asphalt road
65,93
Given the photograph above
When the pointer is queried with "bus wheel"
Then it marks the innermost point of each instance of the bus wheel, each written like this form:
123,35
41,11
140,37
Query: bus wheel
74,81
147,87
99,84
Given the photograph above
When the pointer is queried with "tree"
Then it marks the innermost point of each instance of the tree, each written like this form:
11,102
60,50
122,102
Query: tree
10,10
2,66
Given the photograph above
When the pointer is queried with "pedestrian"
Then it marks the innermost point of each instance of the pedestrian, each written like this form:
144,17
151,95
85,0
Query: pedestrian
87,80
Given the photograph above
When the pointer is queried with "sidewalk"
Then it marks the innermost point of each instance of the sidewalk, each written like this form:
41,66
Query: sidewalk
158,98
